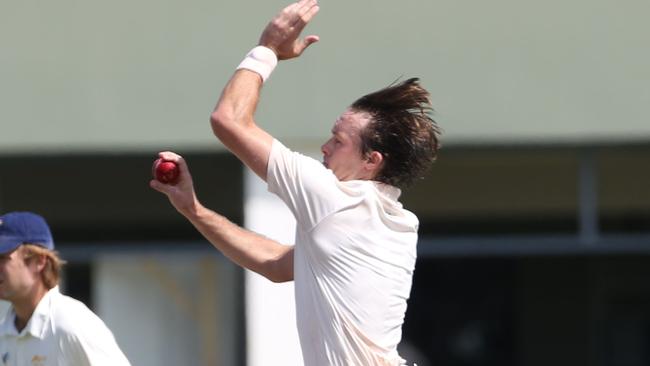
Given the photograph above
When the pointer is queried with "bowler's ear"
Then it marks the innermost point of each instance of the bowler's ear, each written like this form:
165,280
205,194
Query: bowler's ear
374,162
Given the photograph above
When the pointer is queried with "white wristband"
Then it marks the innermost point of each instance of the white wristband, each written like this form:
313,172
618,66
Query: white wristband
261,60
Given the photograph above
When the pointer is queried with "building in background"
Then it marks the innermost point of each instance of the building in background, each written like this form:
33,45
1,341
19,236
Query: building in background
535,223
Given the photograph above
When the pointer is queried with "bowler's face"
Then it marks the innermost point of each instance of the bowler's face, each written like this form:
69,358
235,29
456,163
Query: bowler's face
342,152
17,278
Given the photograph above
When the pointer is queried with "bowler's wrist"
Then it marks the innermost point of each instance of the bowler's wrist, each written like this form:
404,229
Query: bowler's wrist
193,210
261,60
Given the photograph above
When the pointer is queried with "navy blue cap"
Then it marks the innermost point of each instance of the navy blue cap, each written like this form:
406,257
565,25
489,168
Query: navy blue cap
18,228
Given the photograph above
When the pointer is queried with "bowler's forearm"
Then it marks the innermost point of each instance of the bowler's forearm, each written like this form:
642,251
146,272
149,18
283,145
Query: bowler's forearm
232,121
248,249
238,102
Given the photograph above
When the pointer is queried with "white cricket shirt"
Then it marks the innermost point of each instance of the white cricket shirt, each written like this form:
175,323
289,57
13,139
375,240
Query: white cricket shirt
354,258
62,331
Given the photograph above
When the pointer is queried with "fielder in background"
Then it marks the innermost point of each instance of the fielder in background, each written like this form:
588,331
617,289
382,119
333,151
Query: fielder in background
43,326
355,248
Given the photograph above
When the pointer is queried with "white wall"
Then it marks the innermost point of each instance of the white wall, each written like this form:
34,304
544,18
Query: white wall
272,336
174,309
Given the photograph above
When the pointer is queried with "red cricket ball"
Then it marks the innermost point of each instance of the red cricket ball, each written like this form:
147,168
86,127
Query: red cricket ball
165,171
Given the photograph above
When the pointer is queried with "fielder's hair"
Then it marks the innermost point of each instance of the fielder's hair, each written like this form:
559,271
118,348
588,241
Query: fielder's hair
401,129
52,270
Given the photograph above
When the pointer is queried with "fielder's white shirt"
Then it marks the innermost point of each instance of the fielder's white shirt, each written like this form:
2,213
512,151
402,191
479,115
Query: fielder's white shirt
61,332
354,258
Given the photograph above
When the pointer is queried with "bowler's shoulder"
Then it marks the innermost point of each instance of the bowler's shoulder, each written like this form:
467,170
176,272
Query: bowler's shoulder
288,165
281,154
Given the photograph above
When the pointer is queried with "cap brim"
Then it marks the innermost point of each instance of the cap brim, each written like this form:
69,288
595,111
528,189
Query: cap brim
9,244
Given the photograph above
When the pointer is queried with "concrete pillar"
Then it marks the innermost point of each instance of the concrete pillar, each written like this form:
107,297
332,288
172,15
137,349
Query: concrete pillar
272,336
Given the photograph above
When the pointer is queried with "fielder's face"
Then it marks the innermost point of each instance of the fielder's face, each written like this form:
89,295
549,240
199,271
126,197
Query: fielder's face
18,277
342,152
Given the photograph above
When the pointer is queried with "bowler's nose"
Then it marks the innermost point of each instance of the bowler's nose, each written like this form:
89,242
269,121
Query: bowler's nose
323,148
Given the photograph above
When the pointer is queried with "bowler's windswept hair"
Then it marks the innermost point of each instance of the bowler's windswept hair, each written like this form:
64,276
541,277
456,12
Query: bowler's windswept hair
401,129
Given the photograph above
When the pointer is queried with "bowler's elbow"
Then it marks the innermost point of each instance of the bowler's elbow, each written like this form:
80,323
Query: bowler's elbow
280,277
280,269
219,121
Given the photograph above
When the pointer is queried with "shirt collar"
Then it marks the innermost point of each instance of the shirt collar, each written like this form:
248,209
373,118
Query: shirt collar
7,324
38,321
388,191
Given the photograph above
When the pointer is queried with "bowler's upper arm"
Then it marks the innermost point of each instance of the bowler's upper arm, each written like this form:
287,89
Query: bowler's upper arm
250,143
233,121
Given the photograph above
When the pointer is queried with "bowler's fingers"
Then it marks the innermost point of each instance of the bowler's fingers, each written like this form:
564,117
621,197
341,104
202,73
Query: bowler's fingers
166,156
305,13
306,3
305,7
172,156
286,15
309,40
158,186
297,14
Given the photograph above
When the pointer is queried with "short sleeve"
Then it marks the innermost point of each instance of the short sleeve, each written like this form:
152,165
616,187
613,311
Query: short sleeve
310,190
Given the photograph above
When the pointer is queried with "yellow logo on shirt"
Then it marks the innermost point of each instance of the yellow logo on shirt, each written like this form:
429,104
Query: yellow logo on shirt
38,360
